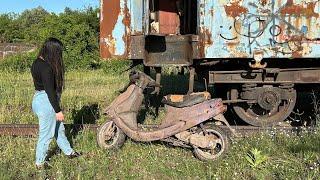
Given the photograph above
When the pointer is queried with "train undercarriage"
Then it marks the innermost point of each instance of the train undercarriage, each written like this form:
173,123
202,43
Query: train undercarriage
259,97
258,55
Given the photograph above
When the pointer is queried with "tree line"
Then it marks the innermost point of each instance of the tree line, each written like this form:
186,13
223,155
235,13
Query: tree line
77,29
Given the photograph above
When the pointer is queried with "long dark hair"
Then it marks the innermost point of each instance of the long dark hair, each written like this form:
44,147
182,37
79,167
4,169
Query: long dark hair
51,52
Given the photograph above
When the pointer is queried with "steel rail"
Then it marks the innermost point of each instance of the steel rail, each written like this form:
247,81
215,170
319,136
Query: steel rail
32,129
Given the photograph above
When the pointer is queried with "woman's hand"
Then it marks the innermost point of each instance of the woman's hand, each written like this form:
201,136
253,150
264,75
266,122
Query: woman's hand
60,116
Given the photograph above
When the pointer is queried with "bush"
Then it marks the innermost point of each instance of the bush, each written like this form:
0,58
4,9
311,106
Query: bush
78,30
23,61
18,62
115,66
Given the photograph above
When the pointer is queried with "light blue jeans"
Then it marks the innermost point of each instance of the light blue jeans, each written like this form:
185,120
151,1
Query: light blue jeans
49,127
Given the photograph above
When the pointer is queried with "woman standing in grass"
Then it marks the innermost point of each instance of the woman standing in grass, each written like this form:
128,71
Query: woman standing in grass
48,77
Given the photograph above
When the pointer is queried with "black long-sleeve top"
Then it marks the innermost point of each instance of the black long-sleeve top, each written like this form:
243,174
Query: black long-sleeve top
44,79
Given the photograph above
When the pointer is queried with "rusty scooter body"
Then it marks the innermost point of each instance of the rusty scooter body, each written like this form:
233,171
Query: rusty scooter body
190,120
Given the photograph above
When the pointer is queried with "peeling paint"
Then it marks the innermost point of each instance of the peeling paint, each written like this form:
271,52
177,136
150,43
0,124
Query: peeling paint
109,18
234,9
114,28
226,28
306,10
278,28
264,2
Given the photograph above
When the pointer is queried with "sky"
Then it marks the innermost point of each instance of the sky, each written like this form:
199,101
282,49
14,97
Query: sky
56,6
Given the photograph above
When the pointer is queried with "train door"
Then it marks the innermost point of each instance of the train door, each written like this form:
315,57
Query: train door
171,32
172,17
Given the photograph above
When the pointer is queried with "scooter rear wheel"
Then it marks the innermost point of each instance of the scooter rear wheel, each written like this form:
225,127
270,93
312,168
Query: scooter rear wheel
110,136
221,147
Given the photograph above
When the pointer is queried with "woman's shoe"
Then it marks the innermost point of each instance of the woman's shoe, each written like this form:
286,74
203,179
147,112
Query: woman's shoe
43,166
74,154
314,165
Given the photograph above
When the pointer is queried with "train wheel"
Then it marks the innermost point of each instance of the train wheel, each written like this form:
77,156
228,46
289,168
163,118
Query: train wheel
266,105
217,151
110,136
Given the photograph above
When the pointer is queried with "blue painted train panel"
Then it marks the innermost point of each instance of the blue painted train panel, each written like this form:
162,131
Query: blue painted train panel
266,28
136,16
226,28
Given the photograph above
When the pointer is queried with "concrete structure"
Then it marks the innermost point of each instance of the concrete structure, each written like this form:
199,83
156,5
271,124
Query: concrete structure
7,49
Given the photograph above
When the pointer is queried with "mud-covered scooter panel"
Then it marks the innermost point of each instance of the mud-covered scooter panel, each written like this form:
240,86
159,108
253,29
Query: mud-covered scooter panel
127,106
124,109
183,114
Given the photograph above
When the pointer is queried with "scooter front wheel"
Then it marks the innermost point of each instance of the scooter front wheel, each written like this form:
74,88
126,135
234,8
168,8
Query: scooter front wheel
218,150
110,136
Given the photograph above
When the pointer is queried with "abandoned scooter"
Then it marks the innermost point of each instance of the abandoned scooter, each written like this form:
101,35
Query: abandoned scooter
190,121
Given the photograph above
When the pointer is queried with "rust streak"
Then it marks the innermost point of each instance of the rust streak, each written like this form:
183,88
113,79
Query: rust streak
299,10
264,2
205,40
211,12
298,22
127,21
234,9
208,37
111,11
296,46
238,28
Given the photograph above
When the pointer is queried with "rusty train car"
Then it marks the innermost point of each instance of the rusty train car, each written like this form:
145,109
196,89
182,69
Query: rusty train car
259,51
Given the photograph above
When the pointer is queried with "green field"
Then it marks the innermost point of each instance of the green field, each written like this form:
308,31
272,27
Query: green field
279,156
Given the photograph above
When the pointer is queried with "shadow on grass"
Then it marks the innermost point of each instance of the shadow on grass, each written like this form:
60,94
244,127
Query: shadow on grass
88,114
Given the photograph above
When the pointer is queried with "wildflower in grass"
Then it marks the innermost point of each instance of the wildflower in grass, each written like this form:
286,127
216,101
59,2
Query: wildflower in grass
255,158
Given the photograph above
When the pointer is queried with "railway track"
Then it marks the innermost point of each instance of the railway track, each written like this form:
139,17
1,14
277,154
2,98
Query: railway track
241,131
32,129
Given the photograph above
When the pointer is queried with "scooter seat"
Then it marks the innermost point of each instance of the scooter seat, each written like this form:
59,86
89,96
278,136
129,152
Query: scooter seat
188,100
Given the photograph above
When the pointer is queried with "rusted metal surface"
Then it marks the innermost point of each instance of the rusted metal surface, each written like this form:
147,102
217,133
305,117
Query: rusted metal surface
115,20
170,50
184,118
266,105
297,76
32,129
274,28
18,130
234,9
241,131
168,17
124,109
225,29
137,49
307,9
191,79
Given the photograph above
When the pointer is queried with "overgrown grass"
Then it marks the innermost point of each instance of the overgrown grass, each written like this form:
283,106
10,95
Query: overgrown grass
84,90
287,158
89,92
